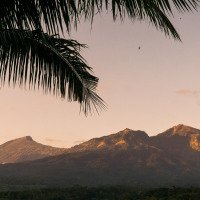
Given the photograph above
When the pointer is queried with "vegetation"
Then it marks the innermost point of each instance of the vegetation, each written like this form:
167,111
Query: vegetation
32,51
103,193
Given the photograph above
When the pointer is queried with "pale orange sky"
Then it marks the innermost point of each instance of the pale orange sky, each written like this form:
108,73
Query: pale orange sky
150,89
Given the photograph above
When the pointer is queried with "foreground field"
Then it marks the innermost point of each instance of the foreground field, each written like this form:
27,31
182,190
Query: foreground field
103,193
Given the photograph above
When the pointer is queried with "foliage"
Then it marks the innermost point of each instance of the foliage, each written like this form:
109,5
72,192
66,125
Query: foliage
49,62
103,193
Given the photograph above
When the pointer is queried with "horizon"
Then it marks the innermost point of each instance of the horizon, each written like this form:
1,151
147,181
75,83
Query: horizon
32,138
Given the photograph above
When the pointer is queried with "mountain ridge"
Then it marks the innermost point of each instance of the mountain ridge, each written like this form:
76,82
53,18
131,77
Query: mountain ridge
125,158
124,139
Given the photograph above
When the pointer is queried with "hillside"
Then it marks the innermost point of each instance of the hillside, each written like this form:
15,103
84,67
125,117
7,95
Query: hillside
25,149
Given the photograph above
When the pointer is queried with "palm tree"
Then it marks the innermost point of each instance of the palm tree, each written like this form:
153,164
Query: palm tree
33,53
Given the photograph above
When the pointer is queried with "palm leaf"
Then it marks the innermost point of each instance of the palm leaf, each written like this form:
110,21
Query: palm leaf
156,11
30,14
50,62
56,14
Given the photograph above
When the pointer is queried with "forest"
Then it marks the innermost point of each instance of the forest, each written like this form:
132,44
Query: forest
103,193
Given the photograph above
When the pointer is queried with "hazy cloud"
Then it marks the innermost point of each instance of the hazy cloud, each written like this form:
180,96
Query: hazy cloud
193,93
53,140
184,92
79,141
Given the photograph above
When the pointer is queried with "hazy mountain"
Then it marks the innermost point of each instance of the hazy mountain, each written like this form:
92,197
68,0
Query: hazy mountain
24,149
125,158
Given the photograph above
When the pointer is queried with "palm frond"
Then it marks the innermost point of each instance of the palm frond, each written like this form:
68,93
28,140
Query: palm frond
57,14
156,11
31,14
183,5
50,62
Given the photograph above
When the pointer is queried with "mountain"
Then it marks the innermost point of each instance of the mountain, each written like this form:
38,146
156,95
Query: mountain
182,141
124,158
25,149
122,140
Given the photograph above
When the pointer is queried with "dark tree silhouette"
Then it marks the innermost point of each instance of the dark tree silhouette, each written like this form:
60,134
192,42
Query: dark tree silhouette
33,53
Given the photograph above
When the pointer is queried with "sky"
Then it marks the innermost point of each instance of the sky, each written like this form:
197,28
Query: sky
151,89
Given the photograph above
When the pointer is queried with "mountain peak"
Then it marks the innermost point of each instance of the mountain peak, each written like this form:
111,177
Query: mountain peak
181,127
24,149
24,139
28,138
181,130
137,133
127,130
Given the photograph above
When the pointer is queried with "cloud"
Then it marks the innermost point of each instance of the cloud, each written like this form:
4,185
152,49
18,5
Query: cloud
62,142
53,140
192,93
184,92
79,141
